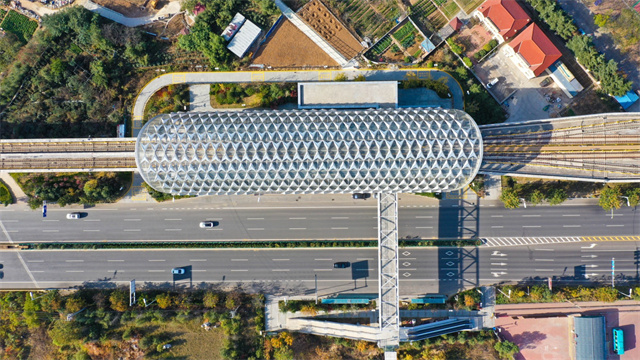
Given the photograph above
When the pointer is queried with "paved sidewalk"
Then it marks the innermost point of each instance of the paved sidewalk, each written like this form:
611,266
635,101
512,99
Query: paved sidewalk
199,98
286,76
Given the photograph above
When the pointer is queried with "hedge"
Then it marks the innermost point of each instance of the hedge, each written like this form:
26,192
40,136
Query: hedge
243,244
5,194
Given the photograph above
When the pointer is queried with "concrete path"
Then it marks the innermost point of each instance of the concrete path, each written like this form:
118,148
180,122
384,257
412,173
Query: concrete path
199,98
172,7
311,34
286,76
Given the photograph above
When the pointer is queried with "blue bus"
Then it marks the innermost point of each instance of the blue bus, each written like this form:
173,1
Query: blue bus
618,341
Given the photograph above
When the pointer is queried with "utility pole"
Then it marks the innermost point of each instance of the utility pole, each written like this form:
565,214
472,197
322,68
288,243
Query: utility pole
316,276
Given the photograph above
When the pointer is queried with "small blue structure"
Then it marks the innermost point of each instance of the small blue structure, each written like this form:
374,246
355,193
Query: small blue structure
427,45
430,299
627,99
350,299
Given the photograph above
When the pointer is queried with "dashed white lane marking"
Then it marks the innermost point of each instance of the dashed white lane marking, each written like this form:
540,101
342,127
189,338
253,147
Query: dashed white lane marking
424,227
280,259
172,229
323,259
255,229
300,218
238,270
339,228
497,216
424,217
132,219
131,230
156,260
115,260
339,217
197,260
50,230
497,227
172,219
615,225
544,259
255,218
97,230
155,270
531,226
74,271
239,259
297,228
90,220
74,261
35,261
570,214
322,269
284,270
571,226
530,215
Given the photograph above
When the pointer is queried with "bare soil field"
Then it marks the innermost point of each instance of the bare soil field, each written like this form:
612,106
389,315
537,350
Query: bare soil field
473,39
289,47
393,56
316,14
131,8
171,30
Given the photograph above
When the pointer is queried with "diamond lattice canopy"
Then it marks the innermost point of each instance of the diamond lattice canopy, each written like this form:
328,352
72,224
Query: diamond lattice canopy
405,150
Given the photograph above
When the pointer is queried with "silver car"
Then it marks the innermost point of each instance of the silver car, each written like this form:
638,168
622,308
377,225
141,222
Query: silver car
207,224
73,215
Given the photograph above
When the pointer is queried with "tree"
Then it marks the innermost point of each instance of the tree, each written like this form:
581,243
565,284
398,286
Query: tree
601,19
211,299
557,196
510,198
506,349
610,198
536,197
119,300
340,77
74,304
634,196
164,300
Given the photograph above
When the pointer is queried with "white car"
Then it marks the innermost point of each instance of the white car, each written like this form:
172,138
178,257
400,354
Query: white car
177,271
207,224
73,216
492,83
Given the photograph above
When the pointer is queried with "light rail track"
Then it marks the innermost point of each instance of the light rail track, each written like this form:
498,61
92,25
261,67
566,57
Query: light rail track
28,146
79,163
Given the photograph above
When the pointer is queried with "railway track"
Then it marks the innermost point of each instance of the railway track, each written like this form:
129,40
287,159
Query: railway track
88,163
67,146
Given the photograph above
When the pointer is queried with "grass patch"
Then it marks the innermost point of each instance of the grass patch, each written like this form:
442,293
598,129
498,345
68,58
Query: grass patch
469,5
5,195
20,25
450,9
190,341
160,196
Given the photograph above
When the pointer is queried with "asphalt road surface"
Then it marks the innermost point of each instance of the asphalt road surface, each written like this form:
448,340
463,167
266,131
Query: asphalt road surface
173,221
292,271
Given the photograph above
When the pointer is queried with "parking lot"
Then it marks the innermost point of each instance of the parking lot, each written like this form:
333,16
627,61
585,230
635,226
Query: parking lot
524,99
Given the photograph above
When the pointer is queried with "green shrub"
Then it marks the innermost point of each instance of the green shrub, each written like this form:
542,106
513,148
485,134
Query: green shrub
506,349
493,43
430,63
5,194
467,61
486,47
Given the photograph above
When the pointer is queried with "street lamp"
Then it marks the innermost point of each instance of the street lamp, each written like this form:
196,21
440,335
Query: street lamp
626,198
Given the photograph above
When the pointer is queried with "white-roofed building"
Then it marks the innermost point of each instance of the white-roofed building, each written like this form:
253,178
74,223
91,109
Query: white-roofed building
244,38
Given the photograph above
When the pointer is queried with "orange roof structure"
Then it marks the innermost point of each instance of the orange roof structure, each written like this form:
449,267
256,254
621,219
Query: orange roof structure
535,48
455,23
506,15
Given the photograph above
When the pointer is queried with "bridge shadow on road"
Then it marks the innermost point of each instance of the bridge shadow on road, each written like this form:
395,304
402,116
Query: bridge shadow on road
458,268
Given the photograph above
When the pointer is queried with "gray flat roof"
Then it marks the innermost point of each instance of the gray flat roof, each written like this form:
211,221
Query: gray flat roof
244,38
590,338
348,94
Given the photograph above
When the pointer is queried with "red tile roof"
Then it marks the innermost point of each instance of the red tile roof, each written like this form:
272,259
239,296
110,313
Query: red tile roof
536,48
507,16
198,9
455,23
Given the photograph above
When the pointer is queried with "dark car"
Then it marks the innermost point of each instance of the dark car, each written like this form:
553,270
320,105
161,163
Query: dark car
341,265
362,196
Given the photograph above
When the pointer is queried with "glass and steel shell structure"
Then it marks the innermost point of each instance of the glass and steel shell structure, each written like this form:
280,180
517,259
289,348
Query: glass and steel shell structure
405,150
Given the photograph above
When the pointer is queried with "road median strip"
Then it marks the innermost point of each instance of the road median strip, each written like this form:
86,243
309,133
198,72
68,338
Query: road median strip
238,244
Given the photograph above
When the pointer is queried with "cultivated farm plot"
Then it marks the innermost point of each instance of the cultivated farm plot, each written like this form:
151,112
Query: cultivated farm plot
369,19
469,5
450,9
2,14
20,25
404,42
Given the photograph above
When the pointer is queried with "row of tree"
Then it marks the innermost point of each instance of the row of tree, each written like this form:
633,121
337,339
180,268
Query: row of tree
606,72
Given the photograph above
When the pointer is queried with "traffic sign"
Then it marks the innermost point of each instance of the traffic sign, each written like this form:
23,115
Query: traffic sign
44,208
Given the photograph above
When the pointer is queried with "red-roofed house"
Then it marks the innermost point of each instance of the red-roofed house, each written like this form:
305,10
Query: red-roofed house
532,51
198,9
503,18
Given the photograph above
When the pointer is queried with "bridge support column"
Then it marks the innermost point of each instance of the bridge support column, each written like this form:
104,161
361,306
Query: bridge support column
388,277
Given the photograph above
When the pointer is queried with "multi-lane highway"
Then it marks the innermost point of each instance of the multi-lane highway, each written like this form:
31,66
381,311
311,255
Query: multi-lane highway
293,271
346,219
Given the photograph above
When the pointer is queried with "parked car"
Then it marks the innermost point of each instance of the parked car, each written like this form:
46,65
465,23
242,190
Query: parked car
492,83
362,196
73,215
545,82
341,265
177,271
207,224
